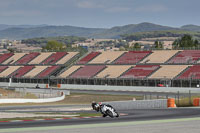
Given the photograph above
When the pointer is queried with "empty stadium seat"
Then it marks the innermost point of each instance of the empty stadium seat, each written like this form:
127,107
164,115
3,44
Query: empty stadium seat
9,71
14,58
113,71
47,72
106,57
67,57
69,71
88,58
35,71
186,57
140,71
159,56
168,71
132,57
40,58
27,58
192,72
4,57
2,68
87,71
54,58
21,71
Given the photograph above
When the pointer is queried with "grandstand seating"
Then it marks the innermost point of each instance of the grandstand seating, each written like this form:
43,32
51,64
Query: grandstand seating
192,72
69,71
88,58
54,58
87,71
106,57
2,68
168,71
47,72
159,56
40,58
35,71
113,71
27,58
140,71
8,71
186,57
132,57
67,57
14,58
21,71
5,56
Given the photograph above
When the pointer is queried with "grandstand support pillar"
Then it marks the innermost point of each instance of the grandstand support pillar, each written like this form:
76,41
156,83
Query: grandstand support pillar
190,97
181,83
178,97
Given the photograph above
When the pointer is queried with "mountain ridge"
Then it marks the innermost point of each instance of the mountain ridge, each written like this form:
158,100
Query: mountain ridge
32,31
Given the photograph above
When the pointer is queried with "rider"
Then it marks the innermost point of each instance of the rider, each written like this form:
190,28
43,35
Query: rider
99,106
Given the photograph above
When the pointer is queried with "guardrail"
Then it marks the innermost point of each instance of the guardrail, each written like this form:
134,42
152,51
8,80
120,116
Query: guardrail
45,100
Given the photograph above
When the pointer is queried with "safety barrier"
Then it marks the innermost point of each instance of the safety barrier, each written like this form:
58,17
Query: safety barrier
171,103
46,100
143,104
196,102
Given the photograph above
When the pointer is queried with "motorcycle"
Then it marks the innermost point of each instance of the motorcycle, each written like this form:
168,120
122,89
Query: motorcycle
106,110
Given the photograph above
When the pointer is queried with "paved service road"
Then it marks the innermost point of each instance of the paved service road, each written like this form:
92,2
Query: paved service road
182,125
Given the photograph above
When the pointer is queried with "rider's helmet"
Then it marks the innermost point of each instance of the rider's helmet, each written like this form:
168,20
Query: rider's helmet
95,106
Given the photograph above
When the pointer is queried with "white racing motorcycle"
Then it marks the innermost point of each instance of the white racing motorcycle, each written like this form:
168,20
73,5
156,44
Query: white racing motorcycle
105,109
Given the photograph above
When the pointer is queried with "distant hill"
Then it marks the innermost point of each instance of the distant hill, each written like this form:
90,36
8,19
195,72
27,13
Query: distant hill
156,34
191,27
115,32
47,31
4,26
34,31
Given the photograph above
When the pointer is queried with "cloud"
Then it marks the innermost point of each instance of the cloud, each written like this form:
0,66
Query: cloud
117,9
89,4
151,8
20,13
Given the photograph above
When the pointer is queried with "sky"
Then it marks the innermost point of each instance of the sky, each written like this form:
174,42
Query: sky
99,13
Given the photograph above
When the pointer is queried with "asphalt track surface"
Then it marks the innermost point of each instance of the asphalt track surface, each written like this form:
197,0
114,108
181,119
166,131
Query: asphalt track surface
131,116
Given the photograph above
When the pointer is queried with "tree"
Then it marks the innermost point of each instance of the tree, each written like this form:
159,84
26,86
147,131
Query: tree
137,46
185,42
11,50
54,46
158,44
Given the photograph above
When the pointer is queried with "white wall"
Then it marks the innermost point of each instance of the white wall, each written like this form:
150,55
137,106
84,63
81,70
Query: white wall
139,104
22,85
46,100
130,88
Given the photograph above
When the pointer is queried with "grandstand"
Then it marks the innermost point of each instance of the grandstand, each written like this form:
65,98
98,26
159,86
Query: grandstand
176,67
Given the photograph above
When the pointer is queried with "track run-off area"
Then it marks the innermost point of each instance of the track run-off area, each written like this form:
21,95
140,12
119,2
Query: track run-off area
139,120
